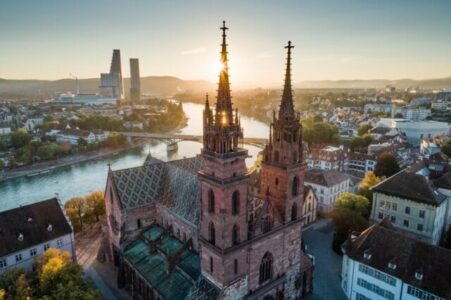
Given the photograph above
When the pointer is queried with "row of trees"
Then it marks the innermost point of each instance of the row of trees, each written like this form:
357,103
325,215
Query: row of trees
85,210
55,276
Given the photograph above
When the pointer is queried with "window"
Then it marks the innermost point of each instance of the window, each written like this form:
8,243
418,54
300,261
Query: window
393,219
235,235
46,246
420,227
211,201
276,156
382,203
295,186
138,223
211,264
18,257
407,210
235,203
380,215
394,206
277,181
420,294
33,252
375,289
406,223
361,297
378,275
3,263
211,233
266,268
422,213
294,212
235,266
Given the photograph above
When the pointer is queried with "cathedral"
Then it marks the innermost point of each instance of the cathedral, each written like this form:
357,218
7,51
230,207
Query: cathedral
206,227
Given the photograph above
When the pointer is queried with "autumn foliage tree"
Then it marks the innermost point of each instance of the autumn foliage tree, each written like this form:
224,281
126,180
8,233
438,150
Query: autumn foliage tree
367,183
85,210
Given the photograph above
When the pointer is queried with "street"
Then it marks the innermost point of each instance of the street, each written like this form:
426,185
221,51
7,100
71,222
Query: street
326,283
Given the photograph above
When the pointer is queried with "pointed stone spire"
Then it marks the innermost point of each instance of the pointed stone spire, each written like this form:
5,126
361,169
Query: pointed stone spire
286,106
224,99
207,104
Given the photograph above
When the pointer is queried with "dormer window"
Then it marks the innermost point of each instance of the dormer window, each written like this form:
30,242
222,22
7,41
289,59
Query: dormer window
367,254
49,227
418,275
392,265
20,237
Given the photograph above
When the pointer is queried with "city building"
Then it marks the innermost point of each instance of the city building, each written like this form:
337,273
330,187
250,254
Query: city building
27,231
383,263
31,123
413,204
111,83
5,130
326,158
416,131
135,80
74,135
415,114
86,99
358,164
309,208
327,185
194,229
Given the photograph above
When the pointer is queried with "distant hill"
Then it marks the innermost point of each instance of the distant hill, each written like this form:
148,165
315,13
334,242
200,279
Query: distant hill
440,83
161,86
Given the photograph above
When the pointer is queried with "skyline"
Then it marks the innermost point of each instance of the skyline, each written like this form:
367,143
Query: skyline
334,41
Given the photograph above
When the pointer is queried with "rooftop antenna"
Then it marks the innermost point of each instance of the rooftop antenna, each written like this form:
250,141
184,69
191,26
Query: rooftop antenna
76,80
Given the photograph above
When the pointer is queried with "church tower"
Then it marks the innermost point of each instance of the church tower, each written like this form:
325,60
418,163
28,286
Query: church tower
224,186
282,173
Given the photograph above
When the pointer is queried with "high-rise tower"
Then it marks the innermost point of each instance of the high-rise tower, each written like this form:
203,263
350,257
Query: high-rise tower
224,186
112,82
135,80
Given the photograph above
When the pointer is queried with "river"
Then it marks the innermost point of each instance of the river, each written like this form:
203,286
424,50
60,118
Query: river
83,178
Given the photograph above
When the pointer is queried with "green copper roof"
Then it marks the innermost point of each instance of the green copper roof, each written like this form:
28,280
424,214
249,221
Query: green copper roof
154,267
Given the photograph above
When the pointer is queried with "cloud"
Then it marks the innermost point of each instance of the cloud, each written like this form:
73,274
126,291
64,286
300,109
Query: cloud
193,51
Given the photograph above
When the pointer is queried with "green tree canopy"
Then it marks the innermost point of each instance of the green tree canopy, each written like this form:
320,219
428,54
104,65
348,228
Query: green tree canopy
363,129
20,138
386,165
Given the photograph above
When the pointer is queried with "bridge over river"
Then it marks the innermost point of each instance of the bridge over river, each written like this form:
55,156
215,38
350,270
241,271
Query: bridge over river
169,138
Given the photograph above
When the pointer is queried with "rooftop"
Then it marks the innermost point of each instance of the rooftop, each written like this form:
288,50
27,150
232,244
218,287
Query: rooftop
412,186
35,223
327,178
388,245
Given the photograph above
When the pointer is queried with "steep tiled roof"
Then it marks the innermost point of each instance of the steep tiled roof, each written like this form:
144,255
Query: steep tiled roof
327,178
386,244
411,186
444,181
38,223
174,184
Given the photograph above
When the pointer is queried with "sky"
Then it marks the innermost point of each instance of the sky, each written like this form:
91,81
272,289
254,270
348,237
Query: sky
334,39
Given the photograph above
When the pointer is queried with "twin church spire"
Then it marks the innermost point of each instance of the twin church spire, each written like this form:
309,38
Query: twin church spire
222,128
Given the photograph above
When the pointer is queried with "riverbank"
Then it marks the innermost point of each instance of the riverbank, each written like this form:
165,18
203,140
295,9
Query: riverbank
48,166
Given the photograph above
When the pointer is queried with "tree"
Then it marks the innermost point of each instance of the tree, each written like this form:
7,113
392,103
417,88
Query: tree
350,214
361,141
354,202
399,115
386,165
363,129
20,138
96,204
58,277
2,294
446,148
367,183
76,209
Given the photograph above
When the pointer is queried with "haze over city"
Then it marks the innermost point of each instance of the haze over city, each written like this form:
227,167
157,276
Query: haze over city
334,40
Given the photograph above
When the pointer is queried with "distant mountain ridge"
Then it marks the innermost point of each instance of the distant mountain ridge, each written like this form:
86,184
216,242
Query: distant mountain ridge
159,86
166,86
438,83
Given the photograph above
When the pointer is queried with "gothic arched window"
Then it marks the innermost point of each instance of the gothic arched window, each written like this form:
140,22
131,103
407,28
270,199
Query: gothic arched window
212,233
294,212
295,186
276,156
211,201
211,264
235,235
235,266
235,203
266,267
